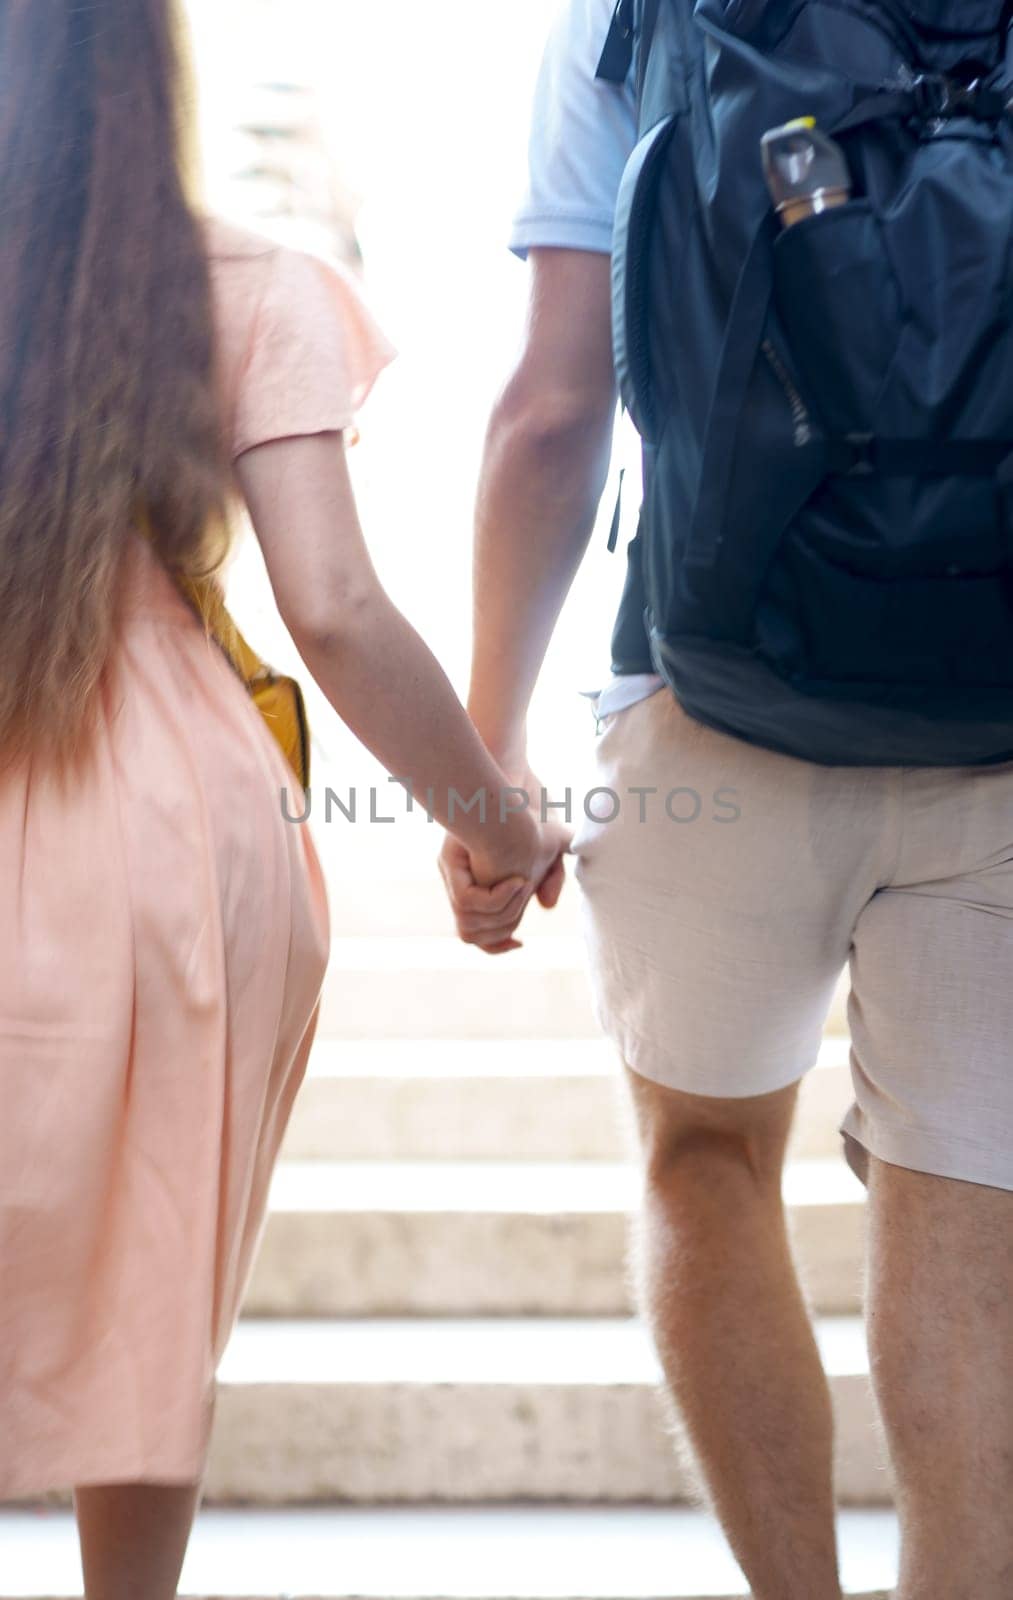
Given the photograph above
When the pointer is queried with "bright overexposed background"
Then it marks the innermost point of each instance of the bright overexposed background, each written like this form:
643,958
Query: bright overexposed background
425,113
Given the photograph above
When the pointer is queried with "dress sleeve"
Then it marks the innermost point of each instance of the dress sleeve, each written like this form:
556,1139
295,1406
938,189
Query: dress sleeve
315,352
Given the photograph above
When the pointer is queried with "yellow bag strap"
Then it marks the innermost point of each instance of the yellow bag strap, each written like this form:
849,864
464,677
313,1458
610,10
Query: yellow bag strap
205,598
278,699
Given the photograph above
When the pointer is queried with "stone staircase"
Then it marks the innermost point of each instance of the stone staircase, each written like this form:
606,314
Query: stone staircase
439,1388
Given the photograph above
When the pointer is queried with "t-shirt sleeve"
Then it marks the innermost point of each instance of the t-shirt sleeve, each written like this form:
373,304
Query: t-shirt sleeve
315,352
582,135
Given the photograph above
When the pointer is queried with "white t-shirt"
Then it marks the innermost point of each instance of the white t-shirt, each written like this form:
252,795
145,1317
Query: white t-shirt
582,136
583,133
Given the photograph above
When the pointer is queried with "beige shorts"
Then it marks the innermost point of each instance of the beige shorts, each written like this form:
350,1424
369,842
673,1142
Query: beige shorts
732,885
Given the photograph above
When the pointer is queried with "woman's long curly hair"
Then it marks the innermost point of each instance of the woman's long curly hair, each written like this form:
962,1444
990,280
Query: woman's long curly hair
108,389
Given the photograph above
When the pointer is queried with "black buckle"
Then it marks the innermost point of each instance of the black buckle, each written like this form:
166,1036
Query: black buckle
936,98
930,97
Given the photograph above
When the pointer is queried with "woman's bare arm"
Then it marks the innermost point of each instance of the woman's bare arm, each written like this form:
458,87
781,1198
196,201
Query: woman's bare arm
374,668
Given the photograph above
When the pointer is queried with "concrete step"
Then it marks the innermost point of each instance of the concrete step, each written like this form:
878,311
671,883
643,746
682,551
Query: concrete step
412,1412
416,988
501,1100
457,1553
438,988
502,1239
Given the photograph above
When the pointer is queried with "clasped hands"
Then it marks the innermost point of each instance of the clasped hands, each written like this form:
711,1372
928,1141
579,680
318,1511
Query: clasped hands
491,889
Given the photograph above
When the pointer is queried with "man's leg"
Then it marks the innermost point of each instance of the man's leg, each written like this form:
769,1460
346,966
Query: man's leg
941,1341
719,1285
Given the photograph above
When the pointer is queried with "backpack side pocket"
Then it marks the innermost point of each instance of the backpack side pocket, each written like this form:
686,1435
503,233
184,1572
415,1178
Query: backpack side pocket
839,305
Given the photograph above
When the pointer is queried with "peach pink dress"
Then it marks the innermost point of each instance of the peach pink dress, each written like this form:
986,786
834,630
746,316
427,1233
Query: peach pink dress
163,941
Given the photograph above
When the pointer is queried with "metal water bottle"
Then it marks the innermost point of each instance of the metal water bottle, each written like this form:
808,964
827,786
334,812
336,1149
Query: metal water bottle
806,170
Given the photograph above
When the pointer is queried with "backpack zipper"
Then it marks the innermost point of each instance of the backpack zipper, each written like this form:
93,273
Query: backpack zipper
800,417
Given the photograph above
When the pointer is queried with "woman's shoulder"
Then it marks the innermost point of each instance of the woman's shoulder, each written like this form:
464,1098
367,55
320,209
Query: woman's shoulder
252,267
228,242
282,283
298,346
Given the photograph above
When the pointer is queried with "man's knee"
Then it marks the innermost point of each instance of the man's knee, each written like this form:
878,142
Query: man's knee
685,1137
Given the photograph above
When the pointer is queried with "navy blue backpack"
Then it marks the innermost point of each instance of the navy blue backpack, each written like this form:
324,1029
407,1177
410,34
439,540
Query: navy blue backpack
825,560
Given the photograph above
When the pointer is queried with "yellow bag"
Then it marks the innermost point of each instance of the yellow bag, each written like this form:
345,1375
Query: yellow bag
279,699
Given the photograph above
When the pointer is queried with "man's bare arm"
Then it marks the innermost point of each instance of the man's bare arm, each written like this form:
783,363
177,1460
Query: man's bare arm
546,462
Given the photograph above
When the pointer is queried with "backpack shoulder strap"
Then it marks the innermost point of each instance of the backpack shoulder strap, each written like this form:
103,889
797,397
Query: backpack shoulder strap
648,24
617,56
627,34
